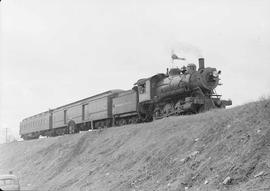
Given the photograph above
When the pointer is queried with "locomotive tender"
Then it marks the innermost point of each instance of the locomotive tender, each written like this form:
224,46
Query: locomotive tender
178,92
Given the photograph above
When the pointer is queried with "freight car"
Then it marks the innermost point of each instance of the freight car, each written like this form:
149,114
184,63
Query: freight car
177,92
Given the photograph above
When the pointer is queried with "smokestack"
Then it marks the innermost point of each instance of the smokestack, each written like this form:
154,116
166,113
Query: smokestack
201,63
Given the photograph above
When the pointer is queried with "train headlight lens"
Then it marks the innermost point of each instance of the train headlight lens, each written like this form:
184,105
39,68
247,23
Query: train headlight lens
215,74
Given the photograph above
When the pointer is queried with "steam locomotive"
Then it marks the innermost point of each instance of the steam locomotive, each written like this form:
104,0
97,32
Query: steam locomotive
177,92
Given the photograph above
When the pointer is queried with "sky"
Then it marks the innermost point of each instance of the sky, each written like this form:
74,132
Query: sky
55,52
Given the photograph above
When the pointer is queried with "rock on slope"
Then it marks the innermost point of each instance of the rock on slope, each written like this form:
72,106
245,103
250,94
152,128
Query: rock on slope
217,150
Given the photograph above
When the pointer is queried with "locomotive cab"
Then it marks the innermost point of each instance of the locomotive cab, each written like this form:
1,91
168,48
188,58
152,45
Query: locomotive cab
144,89
147,86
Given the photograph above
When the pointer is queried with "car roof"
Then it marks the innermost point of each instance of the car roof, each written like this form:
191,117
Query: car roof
8,176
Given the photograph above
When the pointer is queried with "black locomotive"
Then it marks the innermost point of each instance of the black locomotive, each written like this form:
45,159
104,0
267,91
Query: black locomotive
185,91
177,92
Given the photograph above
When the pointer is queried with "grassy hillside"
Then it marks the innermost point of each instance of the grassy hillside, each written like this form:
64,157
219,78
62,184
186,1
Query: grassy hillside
217,150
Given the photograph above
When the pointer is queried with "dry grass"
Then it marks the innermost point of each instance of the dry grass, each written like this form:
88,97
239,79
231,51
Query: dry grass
168,154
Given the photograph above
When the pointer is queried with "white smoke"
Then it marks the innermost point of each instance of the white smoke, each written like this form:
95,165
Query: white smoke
185,50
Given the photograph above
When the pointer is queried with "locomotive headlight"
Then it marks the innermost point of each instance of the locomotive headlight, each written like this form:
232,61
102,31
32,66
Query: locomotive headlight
215,74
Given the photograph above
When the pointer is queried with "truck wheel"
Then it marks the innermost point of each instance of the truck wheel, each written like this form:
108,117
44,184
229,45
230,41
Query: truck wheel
72,128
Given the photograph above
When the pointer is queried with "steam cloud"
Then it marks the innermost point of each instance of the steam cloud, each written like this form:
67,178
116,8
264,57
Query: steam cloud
188,51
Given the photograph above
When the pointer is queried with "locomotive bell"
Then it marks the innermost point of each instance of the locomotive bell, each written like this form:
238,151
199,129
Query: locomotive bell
201,63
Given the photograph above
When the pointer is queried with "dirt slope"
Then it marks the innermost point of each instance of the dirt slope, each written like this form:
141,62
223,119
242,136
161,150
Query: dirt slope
177,153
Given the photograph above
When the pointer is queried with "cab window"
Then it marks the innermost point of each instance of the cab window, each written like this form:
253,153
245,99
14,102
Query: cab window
142,88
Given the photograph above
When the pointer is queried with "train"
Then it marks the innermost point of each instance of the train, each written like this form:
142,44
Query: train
179,91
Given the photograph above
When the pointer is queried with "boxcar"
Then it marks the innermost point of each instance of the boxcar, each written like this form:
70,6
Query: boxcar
99,109
71,112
